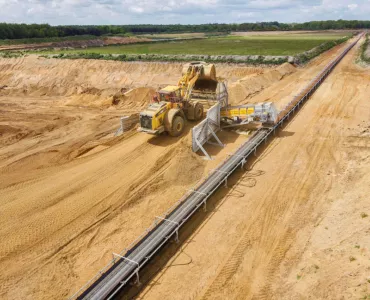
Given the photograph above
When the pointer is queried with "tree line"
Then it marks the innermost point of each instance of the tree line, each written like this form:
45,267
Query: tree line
22,31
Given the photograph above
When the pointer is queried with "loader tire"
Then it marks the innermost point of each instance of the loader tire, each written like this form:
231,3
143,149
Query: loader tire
178,126
198,111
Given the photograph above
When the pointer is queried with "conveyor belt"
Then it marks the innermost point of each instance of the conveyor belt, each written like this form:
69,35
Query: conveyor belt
128,264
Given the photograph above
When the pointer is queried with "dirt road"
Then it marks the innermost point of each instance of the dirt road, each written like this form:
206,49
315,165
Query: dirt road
71,193
294,226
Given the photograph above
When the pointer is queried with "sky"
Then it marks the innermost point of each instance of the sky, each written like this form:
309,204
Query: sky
98,12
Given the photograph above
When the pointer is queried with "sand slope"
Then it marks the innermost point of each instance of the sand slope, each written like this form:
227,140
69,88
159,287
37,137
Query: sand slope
242,90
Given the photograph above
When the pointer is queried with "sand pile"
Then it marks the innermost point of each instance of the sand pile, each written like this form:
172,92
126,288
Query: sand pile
233,74
137,98
242,89
101,84
38,76
131,101
186,167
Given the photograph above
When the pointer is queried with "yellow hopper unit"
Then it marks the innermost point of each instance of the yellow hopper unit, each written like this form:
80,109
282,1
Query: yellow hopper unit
265,113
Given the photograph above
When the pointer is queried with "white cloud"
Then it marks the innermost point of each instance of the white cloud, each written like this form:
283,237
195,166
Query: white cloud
178,11
136,9
273,4
352,6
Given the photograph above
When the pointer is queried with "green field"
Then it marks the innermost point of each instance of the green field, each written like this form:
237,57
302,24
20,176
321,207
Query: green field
283,44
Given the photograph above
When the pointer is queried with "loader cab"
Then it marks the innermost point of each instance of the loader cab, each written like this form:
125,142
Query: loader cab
170,94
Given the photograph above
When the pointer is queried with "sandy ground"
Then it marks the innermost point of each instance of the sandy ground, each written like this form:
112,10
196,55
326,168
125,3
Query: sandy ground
295,225
71,193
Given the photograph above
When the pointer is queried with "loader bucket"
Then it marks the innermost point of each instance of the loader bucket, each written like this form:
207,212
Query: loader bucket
206,85
208,70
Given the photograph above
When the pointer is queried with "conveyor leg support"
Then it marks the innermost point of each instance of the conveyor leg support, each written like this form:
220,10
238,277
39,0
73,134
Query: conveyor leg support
137,278
203,150
215,137
244,161
177,237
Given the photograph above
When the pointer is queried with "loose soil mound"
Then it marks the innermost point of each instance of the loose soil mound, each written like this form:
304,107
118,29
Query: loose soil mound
38,76
95,83
137,98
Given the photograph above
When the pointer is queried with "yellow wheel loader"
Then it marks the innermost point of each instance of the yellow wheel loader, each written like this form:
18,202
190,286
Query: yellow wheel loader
172,105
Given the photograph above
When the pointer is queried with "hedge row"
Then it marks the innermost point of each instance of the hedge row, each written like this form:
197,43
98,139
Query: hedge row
365,46
307,56
10,54
169,58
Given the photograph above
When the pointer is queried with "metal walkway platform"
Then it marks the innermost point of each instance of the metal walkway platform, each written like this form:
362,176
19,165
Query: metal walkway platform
128,263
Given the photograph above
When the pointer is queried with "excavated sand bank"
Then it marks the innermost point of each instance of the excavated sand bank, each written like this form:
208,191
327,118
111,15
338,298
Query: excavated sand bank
242,90
40,76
